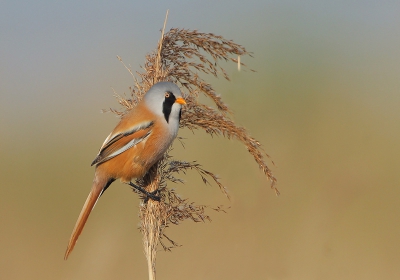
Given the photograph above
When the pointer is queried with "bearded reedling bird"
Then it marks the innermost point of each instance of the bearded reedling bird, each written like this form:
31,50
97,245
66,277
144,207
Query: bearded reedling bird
138,141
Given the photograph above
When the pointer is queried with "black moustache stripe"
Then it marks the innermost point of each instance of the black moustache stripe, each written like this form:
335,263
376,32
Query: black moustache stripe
167,105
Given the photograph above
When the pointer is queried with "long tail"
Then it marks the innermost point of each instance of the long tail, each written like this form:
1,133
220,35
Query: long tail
98,187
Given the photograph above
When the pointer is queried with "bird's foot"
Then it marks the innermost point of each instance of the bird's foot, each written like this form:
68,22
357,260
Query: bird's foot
153,195
149,195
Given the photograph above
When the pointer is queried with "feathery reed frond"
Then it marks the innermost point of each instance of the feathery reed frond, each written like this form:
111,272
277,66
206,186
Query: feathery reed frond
180,57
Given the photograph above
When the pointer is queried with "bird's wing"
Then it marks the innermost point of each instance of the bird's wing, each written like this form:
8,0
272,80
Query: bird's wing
121,140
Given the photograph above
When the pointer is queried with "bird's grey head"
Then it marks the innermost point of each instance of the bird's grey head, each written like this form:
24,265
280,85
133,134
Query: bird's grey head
165,99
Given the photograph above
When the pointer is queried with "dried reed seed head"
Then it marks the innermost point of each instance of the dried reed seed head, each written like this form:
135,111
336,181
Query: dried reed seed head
183,53
180,57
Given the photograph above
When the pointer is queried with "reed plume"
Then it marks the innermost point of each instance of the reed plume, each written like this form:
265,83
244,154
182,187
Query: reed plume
181,57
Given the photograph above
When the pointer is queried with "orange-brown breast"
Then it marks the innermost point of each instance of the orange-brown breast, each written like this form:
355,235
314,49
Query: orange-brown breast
136,161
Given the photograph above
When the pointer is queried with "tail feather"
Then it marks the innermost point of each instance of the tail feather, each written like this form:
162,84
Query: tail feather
98,187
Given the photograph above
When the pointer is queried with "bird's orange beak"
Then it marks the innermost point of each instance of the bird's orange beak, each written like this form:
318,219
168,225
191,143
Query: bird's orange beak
180,100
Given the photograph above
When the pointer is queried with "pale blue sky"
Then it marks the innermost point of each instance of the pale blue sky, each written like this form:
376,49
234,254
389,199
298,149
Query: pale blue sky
45,43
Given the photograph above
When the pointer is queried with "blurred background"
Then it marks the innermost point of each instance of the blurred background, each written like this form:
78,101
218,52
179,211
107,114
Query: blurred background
324,103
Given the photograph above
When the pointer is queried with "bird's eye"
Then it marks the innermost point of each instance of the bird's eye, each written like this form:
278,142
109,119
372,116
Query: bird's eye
167,95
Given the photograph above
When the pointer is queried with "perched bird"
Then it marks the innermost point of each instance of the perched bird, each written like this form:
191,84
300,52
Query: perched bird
138,141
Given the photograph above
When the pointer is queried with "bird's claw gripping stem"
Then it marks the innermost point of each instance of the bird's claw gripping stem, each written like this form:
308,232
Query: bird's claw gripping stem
149,195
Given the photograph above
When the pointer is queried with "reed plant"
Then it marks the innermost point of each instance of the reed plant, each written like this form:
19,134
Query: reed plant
184,57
